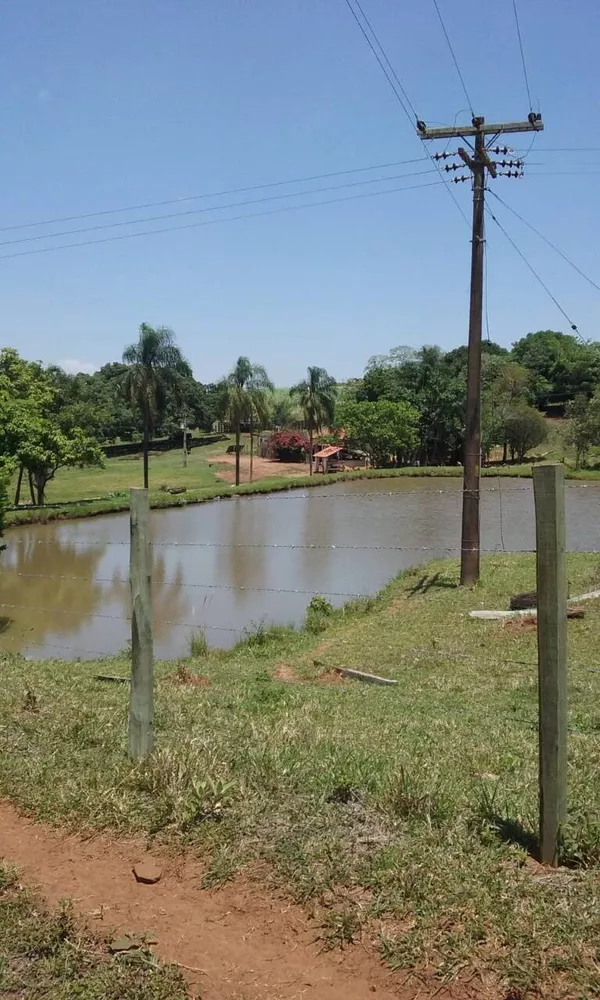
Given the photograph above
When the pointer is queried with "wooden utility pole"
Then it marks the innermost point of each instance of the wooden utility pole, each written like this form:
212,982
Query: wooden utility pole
184,431
549,494
477,163
141,704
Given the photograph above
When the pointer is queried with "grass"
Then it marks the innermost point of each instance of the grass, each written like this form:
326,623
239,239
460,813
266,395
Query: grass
409,811
44,954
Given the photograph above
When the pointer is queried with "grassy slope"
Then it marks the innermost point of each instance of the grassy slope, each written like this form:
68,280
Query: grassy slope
44,955
407,808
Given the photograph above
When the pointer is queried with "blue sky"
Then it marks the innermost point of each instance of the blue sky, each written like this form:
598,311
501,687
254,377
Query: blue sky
108,103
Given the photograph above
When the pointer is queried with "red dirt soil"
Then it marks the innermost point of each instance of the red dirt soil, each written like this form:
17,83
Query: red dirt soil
236,942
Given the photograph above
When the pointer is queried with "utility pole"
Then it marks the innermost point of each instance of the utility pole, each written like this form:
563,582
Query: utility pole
184,431
478,161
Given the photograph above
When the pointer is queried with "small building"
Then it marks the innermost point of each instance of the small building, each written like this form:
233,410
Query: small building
337,458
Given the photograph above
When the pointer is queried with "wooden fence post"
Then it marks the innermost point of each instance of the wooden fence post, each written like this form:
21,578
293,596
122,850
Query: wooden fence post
141,704
549,494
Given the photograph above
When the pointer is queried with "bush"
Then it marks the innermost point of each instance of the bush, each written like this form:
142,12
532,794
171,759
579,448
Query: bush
288,446
317,614
525,429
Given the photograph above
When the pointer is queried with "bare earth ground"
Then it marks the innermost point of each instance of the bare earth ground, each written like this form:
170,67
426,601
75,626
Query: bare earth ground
232,943
263,468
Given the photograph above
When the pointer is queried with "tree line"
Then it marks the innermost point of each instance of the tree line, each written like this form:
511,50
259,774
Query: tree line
407,407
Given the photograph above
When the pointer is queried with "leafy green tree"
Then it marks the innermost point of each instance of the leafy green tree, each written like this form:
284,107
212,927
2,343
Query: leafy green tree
583,425
505,385
316,395
434,386
45,449
155,367
387,431
30,430
563,367
525,429
244,401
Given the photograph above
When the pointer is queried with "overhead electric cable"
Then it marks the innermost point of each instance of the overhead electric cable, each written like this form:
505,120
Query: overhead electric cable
453,54
549,242
213,194
522,53
212,222
533,271
211,208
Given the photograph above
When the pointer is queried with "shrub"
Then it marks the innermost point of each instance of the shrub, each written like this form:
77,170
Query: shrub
288,446
317,614
525,429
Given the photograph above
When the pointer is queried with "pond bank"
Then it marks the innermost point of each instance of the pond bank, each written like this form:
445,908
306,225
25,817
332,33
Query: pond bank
161,499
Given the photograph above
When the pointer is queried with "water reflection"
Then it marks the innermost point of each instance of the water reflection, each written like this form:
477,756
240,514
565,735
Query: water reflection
68,581
60,597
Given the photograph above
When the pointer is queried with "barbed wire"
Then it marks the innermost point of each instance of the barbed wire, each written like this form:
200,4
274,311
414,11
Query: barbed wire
284,545
294,493
118,618
200,586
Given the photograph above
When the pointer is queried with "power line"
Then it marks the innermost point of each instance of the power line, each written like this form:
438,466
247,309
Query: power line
533,271
212,222
566,173
549,242
213,194
453,54
386,58
390,74
522,53
569,149
213,208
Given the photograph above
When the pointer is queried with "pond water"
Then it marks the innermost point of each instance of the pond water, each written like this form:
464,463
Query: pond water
228,566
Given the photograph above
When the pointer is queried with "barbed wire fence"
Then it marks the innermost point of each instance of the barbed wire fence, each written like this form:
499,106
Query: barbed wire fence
296,494
548,495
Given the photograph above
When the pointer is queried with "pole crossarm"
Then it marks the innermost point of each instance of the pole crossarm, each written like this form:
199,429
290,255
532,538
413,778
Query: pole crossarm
533,124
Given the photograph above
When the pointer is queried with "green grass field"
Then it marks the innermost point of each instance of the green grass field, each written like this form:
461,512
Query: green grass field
120,474
410,811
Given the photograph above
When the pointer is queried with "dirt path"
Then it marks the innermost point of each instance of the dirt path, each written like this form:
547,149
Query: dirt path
262,468
247,946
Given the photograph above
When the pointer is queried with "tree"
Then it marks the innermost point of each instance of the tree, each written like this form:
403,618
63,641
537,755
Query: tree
525,428
563,367
506,385
385,430
583,425
316,395
30,427
155,366
434,384
45,449
244,401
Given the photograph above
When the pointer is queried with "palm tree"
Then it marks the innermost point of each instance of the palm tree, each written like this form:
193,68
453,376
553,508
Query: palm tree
245,401
155,367
316,395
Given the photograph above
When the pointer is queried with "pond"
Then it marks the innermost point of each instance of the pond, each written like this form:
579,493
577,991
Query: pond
230,565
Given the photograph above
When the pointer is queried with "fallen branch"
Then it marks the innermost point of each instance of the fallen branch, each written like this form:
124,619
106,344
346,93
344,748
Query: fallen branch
113,678
359,675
